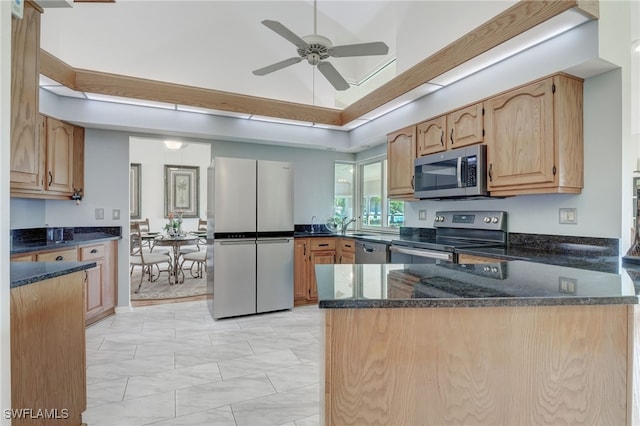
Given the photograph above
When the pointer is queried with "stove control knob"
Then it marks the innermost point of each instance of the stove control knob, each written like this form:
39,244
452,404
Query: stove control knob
494,219
487,219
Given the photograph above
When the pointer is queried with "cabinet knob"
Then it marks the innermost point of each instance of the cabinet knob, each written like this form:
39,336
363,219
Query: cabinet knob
50,178
451,136
59,258
94,251
491,172
442,138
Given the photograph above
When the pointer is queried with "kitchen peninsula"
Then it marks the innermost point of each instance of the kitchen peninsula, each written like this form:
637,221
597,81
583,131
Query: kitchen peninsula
510,342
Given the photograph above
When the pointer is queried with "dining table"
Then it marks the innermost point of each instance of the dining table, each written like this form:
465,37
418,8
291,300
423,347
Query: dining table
175,242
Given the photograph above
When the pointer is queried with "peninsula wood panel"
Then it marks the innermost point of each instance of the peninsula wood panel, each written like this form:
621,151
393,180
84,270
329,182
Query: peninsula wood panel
48,349
521,17
483,366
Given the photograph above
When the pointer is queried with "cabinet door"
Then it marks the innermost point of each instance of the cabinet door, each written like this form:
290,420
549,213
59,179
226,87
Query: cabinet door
59,156
94,290
346,251
465,126
401,153
323,257
300,269
27,149
431,136
520,137
348,258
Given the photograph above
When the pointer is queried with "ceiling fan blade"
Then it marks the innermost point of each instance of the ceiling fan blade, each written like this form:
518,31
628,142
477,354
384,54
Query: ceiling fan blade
286,33
277,66
333,75
364,49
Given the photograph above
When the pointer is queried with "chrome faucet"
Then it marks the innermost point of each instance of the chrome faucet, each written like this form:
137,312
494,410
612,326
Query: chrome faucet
313,220
346,224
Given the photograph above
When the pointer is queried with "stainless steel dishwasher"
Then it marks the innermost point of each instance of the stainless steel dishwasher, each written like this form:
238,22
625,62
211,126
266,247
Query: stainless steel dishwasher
368,252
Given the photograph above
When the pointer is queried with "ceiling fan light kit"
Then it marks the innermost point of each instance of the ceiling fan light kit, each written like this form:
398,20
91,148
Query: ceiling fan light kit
316,49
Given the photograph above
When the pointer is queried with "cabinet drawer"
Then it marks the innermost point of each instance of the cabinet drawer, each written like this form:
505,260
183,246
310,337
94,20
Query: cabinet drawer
347,245
22,258
322,244
92,252
68,255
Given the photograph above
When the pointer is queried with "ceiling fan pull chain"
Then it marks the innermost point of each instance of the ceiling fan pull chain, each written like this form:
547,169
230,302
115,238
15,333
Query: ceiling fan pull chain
315,12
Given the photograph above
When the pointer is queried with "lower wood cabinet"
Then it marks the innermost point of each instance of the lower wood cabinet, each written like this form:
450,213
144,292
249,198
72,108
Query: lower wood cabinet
48,351
101,286
309,252
100,292
346,252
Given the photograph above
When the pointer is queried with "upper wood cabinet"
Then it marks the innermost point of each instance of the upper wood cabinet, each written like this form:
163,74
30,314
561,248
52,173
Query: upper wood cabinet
401,152
466,126
59,144
431,136
60,153
454,130
534,138
47,155
27,154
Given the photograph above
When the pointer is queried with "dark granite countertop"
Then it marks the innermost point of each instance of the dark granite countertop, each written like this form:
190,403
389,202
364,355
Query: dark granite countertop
508,283
23,273
364,236
37,239
581,260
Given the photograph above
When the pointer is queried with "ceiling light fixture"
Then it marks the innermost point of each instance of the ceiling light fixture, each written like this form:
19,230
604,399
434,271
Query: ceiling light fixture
173,144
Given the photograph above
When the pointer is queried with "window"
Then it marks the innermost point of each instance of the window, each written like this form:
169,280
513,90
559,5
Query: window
343,191
377,211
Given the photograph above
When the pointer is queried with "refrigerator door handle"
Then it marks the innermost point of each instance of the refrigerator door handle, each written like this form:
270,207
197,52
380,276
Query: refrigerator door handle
234,242
274,241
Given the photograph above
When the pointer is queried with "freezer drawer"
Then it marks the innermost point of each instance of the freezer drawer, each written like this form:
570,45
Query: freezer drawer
274,284
234,278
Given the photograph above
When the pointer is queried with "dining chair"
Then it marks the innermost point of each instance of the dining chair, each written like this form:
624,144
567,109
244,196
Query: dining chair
198,260
139,256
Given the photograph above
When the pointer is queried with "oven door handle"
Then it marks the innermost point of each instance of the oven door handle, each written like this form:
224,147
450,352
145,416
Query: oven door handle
459,172
423,253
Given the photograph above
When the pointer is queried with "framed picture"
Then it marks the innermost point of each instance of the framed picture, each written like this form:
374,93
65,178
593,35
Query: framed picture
135,190
181,190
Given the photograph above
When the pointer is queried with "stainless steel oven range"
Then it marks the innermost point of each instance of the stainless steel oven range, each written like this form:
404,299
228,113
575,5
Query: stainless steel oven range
454,230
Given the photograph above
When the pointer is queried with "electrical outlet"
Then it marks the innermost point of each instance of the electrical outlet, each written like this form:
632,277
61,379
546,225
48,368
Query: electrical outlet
115,214
568,216
422,215
567,285
100,213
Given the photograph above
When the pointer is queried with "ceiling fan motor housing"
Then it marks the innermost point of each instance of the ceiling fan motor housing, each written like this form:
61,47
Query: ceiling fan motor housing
318,48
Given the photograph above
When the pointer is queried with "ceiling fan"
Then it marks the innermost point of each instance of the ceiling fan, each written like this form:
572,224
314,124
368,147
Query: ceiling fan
316,48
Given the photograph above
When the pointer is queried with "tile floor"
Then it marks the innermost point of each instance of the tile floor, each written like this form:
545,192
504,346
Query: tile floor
172,364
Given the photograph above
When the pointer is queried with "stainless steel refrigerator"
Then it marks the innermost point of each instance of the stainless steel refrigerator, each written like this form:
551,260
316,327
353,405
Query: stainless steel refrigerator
250,205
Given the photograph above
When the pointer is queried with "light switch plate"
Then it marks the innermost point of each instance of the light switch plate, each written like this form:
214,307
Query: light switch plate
422,215
115,214
100,213
568,215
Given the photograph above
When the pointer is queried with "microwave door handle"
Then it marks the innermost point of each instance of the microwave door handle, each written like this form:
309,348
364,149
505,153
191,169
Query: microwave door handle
459,172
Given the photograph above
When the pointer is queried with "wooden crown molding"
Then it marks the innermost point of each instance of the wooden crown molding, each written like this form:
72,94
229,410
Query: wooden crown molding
519,18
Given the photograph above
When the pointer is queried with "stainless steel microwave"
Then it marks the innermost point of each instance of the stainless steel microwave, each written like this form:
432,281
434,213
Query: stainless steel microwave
459,173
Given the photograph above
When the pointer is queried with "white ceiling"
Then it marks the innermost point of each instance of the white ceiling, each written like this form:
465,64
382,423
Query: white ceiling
216,44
